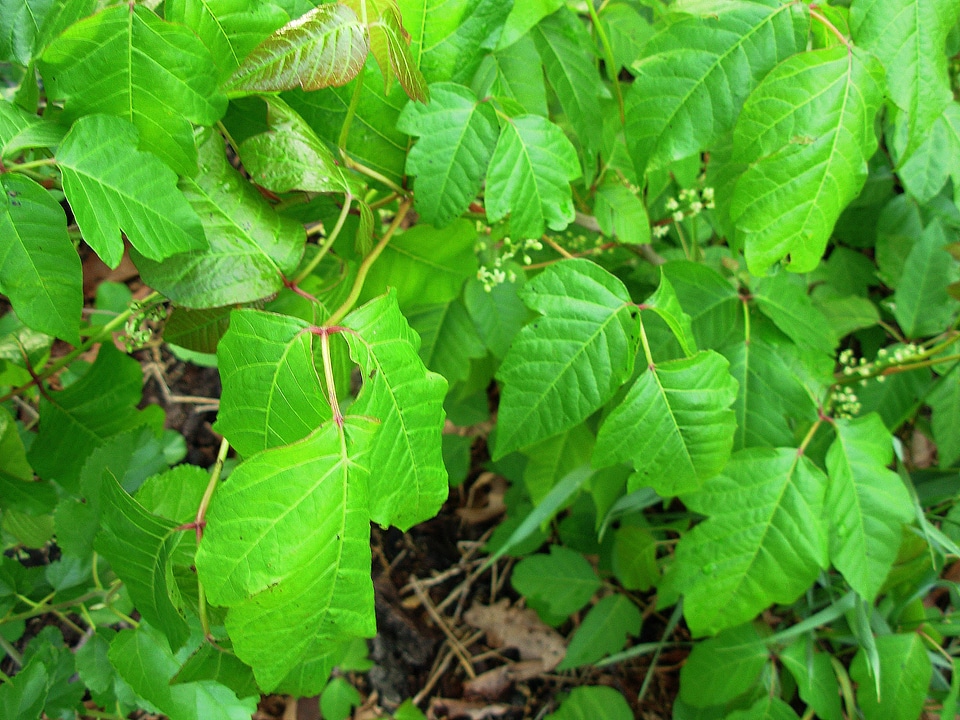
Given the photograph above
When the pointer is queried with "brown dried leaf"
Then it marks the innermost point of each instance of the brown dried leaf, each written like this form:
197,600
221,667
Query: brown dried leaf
518,628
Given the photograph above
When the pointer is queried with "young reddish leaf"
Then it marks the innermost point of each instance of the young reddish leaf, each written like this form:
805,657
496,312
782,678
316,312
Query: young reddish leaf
390,45
326,47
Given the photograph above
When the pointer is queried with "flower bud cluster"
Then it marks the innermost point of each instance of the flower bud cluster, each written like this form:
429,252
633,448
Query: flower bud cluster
140,326
886,357
493,274
689,203
845,402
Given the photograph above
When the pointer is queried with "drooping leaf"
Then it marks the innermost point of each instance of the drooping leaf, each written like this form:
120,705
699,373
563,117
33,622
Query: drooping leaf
921,304
806,133
144,660
566,50
728,571
425,265
389,44
197,330
634,556
909,38
211,662
457,136
724,667
231,29
555,585
603,631
593,702
945,403
39,267
675,425
696,72
327,46
784,299
621,214
529,177
290,156
869,504
770,396
272,394
550,460
447,36
566,364
449,340
289,585
904,672
76,421
935,159
126,61
112,187
707,297
408,481
138,546
665,303
252,248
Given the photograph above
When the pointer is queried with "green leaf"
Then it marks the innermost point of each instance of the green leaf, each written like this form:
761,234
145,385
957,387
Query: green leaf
76,421
327,46
709,298
869,504
627,30
596,702
603,631
21,21
272,394
144,660
17,487
457,136
621,214
724,667
770,398
675,424
551,459
211,662
921,303
909,38
815,678
522,19
847,314
905,673
565,365
231,29
290,156
23,697
529,177
566,50
697,71
252,248
944,400
112,187
506,73
729,571
784,299
665,303
426,266
635,558
807,134
768,707
935,159
447,36
449,340
498,314
39,267
338,700
555,585
291,586
127,62
197,330
138,545
407,399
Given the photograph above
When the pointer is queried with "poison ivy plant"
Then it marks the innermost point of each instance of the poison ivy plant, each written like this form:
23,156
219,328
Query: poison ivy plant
685,274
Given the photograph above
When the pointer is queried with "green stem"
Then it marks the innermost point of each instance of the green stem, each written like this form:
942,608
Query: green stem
351,113
103,334
226,134
44,609
746,321
10,650
328,376
365,266
809,437
830,26
200,520
43,162
646,345
328,242
374,175
607,58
